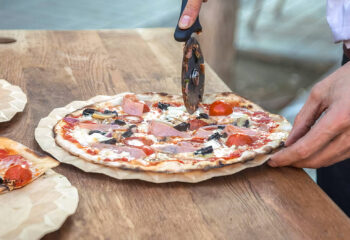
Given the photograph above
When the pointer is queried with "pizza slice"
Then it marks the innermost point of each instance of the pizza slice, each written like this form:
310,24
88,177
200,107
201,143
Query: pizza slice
20,165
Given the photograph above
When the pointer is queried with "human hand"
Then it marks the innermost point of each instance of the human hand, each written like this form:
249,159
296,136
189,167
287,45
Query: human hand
319,141
190,13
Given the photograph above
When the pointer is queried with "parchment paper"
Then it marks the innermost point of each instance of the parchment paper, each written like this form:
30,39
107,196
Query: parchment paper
38,208
44,137
12,100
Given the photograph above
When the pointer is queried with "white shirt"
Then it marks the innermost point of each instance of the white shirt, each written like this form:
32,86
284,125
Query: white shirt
338,17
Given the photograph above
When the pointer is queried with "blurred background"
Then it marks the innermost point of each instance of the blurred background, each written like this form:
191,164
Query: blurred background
269,51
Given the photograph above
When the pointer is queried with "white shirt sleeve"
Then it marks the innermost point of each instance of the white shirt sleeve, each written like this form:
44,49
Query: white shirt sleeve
338,17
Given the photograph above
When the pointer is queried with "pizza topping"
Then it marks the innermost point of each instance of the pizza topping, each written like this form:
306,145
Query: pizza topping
18,175
163,106
202,133
132,106
124,151
182,126
161,129
131,119
146,108
216,136
138,141
71,120
230,129
119,122
220,108
204,151
109,114
196,123
110,141
203,115
88,111
129,132
100,127
180,147
239,140
96,131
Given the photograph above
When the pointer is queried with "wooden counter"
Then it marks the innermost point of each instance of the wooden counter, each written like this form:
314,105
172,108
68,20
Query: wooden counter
55,68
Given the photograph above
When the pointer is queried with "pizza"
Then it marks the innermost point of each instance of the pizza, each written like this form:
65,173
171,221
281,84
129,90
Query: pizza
20,165
153,133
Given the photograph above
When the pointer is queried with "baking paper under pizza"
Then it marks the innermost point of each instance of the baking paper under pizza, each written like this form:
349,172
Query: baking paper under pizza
153,134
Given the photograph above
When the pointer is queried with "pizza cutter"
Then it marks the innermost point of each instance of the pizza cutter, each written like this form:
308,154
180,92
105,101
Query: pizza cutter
192,76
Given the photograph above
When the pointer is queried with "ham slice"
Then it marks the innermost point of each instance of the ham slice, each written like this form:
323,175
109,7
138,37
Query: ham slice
101,127
161,129
132,106
230,130
134,152
202,133
181,147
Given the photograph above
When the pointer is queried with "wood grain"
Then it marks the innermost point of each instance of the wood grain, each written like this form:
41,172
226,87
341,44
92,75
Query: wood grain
55,68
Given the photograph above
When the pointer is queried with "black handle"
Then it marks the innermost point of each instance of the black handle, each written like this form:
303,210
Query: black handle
181,35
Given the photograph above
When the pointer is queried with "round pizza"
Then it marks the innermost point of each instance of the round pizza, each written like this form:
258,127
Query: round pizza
153,132
20,165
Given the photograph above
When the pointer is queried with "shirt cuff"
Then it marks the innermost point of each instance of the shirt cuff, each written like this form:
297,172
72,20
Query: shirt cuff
347,44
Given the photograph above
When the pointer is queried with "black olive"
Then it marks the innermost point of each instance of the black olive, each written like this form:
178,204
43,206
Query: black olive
203,115
1,181
96,131
132,126
182,126
163,106
119,122
110,141
88,111
221,127
127,134
204,151
216,136
110,112
224,135
246,123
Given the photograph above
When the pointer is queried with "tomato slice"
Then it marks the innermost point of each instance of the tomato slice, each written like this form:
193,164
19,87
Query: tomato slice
220,108
3,153
145,108
148,151
239,140
20,175
196,123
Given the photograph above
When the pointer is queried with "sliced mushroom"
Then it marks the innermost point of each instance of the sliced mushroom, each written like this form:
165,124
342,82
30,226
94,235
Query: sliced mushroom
99,115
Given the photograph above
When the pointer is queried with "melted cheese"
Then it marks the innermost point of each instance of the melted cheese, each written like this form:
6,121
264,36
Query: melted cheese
83,137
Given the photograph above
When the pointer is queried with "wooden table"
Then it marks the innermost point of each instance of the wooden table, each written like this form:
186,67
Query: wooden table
55,68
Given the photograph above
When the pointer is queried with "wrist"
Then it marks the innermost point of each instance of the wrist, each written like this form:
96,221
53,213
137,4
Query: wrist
346,49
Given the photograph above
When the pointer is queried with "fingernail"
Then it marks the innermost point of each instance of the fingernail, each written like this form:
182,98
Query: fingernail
184,21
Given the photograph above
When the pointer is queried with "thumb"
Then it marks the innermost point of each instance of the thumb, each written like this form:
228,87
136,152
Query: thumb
190,13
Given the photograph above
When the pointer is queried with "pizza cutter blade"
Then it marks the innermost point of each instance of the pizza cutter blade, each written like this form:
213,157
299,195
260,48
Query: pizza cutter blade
192,76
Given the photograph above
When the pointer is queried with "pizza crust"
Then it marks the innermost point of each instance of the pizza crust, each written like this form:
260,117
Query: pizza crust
45,138
12,100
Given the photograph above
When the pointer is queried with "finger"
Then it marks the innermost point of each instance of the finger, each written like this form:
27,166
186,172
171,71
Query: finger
336,151
307,116
328,127
190,13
